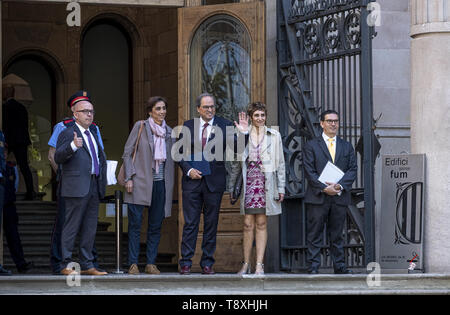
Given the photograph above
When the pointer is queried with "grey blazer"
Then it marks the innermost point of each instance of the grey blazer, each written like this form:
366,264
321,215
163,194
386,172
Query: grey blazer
141,171
76,166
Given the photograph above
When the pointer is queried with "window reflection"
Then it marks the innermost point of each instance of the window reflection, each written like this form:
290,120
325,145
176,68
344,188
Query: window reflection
220,65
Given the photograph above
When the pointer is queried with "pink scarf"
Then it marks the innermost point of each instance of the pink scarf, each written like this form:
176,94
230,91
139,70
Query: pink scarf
159,140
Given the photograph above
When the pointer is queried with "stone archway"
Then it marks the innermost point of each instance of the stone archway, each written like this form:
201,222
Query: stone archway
136,45
46,77
51,63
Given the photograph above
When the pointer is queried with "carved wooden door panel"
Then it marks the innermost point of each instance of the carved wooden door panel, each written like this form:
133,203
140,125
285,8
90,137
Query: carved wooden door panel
221,50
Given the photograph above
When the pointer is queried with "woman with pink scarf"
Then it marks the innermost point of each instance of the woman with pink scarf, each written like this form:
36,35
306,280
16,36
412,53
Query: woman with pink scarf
149,181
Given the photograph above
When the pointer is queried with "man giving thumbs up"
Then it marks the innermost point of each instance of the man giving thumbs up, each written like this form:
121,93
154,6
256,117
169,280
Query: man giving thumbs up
83,182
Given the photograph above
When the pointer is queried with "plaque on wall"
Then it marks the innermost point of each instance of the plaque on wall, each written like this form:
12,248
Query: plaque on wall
402,212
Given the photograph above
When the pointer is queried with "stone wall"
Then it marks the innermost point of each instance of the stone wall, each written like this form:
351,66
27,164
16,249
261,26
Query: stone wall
391,88
40,29
430,114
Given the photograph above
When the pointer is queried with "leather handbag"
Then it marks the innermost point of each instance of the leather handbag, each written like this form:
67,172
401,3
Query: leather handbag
237,189
121,175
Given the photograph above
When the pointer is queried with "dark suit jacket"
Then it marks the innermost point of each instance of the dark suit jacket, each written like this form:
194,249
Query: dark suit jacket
217,180
316,156
15,124
76,166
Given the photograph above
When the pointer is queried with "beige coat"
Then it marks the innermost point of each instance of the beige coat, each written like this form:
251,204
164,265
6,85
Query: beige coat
273,167
141,171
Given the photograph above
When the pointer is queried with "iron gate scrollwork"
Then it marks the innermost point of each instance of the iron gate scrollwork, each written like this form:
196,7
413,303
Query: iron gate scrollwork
324,62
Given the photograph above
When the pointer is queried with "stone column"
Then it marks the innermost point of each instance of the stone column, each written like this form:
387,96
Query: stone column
430,122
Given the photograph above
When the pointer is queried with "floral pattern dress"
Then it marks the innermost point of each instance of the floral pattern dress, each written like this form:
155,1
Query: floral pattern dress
255,194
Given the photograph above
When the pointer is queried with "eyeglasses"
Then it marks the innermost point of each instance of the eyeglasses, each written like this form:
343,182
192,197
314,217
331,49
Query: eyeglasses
332,121
86,111
208,107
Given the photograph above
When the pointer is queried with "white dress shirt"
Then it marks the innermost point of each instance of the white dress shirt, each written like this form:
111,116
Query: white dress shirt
327,142
86,140
325,137
209,129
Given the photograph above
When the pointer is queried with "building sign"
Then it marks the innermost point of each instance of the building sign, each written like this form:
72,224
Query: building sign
402,211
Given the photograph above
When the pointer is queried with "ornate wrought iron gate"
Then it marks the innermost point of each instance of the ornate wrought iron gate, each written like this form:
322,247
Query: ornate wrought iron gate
324,61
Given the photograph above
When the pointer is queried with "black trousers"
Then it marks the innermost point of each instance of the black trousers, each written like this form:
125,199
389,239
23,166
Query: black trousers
55,248
333,216
194,203
21,154
10,222
81,217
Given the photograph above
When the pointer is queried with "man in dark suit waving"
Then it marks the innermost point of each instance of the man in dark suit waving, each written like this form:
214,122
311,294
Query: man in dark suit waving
327,203
203,190
83,182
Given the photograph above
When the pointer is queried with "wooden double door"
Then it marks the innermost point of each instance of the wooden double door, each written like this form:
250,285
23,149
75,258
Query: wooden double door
221,50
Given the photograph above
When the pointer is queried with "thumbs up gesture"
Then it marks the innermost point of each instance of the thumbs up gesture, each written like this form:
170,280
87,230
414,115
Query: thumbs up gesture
77,141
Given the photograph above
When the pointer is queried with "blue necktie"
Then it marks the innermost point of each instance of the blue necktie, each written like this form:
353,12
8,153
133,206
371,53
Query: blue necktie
94,157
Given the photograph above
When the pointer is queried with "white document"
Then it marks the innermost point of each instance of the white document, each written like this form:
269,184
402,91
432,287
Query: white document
331,173
111,172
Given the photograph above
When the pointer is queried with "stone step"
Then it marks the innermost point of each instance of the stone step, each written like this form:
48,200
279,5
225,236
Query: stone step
33,225
45,241
23,206
40,233
36,223
37,250
35,210
42,267
109,263
44,215
227,284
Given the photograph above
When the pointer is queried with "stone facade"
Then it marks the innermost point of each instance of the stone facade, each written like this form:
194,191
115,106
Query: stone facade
40,29
430,112
391,88
411,72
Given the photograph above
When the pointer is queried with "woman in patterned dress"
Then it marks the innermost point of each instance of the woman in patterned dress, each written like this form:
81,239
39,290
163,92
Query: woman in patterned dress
263,187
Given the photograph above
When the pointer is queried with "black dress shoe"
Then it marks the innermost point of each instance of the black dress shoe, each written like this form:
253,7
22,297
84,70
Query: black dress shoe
343,271
185,270
207,270
4,272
